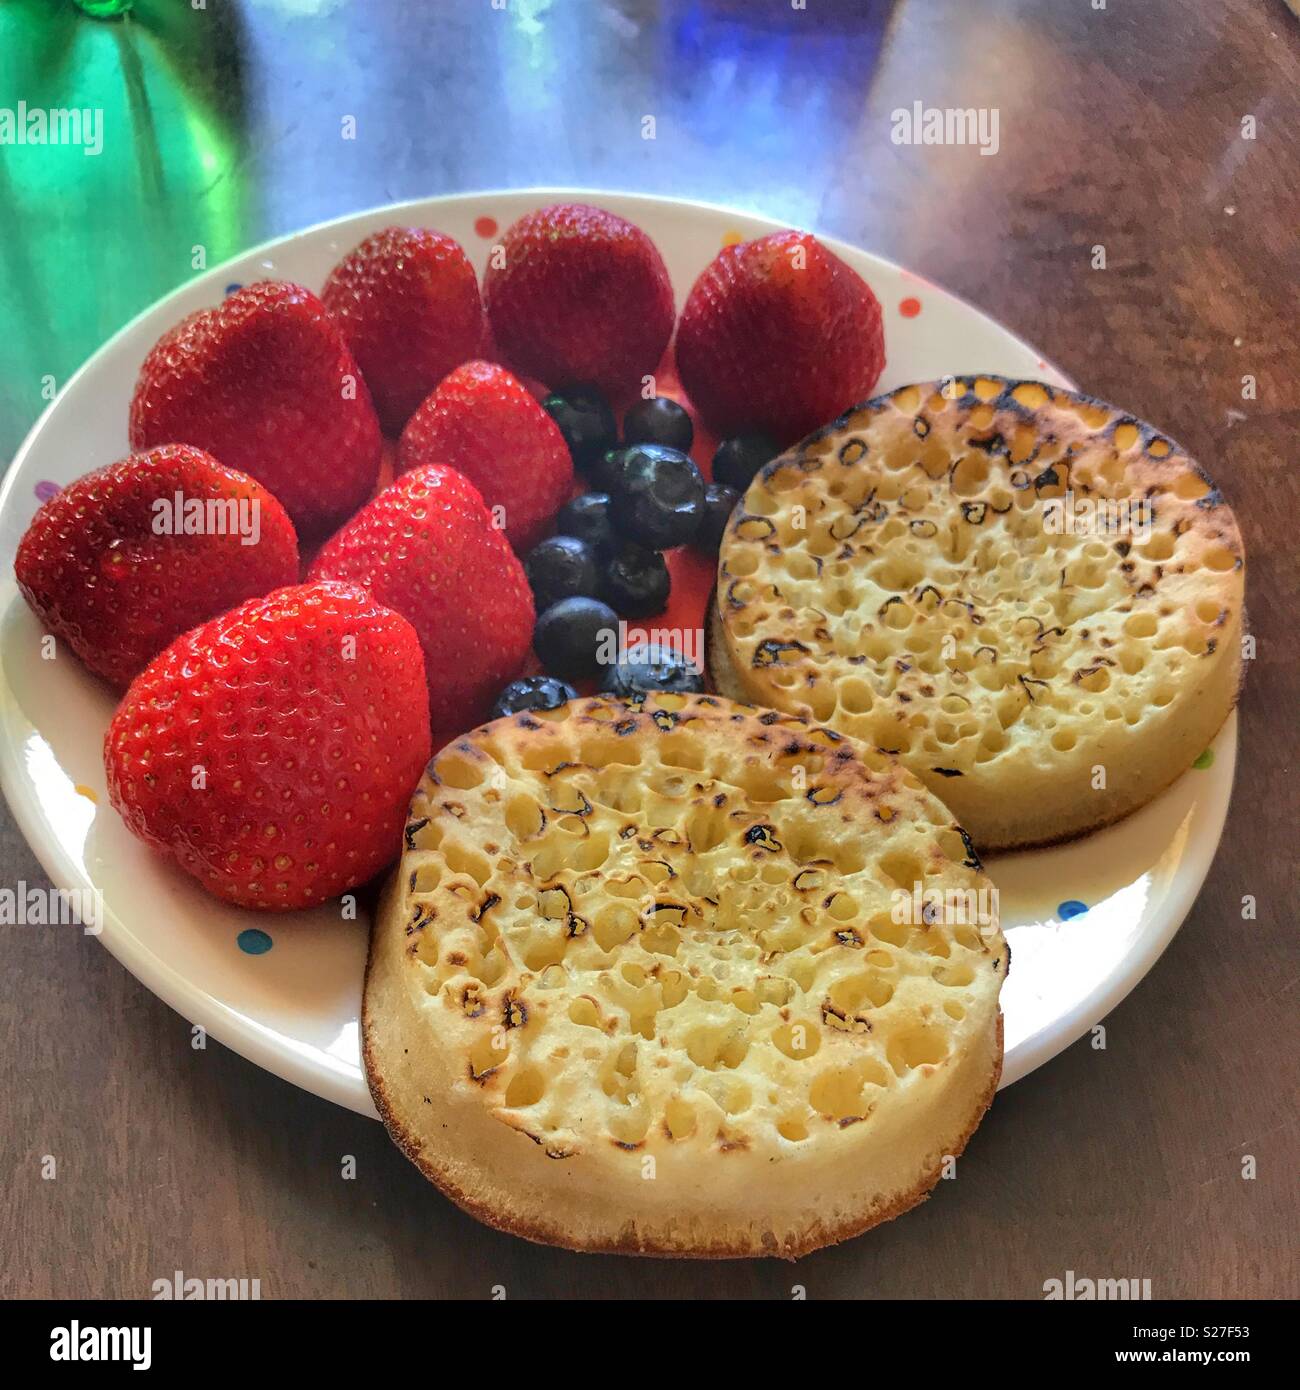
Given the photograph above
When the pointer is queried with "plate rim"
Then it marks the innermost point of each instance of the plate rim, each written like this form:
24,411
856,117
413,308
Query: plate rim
1111,992
245,1035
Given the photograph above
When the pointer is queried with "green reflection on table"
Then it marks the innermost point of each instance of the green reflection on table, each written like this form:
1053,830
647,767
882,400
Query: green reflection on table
111,127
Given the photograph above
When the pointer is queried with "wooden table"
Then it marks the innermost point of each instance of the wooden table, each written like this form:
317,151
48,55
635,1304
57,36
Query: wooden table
1119,128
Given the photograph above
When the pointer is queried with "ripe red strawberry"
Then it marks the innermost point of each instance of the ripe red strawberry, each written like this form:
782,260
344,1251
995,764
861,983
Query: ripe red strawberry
272,752
778,335
484,422
426,547
267,384
407,301
582,296
130,556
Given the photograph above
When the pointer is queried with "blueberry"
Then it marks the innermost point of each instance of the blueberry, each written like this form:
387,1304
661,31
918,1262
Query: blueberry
738,459
659,421
585,420
532,692
636,582
658,497
570,635
587,517
651,667
606,471
561,567
719,503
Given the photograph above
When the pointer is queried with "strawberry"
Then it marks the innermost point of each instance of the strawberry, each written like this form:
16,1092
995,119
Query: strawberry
128,557
484,422
272,752
580,296
426,547
407,301
267,384
778,335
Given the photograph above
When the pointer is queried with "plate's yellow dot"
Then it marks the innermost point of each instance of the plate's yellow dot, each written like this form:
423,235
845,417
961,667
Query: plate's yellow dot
86,792
732,238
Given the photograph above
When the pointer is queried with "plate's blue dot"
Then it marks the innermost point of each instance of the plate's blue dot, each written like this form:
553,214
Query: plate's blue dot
254,942
1071,907
233,286
45,489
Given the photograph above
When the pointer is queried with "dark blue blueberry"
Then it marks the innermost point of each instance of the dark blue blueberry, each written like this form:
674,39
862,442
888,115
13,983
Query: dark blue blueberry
636,581
585,420
719,502
532,692
561,567
651,667
571,636
658,498
659,421
606,471
738,459
587,517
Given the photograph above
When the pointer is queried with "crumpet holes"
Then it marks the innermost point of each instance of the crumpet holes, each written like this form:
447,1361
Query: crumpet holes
456,770
917,1047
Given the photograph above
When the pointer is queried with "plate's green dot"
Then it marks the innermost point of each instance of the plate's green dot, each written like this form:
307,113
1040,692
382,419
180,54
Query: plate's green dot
1205,759
254,942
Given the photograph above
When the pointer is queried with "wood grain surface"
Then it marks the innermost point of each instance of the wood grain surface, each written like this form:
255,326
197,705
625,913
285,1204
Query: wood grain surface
1119,126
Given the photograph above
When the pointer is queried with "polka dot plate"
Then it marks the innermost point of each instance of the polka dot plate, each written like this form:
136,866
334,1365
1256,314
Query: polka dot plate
1085,921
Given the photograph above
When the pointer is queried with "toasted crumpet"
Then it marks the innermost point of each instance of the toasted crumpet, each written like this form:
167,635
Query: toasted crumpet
1031,598
638,985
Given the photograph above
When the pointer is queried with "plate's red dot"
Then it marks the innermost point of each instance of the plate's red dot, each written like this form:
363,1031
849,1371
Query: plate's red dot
909,307
486,226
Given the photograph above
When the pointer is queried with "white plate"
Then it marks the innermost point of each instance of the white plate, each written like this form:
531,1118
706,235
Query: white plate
293,1008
